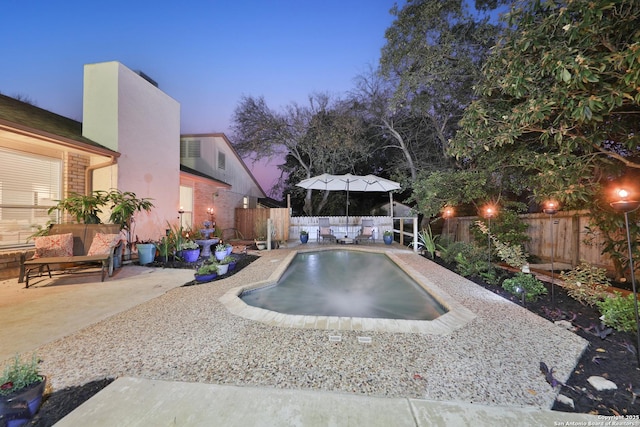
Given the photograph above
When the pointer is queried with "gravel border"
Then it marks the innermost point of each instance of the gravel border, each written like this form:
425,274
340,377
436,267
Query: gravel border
188,335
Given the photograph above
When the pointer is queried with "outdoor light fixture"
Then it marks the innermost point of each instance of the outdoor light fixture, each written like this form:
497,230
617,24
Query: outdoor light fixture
489,212
447,214
624,205
181,211
550,207
522,293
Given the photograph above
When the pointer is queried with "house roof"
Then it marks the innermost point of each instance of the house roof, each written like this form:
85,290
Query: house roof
224,137
268,202
35,120
194,172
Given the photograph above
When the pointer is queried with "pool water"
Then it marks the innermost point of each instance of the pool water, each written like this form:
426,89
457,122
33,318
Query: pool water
346,283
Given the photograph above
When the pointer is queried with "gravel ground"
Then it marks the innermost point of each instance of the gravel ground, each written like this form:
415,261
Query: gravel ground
188,335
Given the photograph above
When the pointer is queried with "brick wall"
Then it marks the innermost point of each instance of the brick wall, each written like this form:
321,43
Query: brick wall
10,262
73,180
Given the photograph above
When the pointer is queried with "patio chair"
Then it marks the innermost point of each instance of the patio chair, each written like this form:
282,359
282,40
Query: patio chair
325,231
366,232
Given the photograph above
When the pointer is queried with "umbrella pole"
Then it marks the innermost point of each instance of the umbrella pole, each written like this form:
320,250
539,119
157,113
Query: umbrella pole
347,233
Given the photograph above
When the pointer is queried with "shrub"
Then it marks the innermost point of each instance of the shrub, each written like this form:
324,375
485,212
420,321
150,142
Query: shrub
471,261
586,284
619,312
532,287
511,254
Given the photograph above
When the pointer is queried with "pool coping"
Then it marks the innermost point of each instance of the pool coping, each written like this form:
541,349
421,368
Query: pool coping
455,318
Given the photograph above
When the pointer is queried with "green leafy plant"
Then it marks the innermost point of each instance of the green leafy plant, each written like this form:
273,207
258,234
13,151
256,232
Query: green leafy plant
189,244
303,232
427,241
470,260
449,251
19,375
532,287
83,208
387,233
586,283
512,254
619,312
220,247
227,260
207,268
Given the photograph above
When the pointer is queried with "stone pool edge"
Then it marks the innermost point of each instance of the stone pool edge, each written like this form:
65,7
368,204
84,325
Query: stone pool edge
456,317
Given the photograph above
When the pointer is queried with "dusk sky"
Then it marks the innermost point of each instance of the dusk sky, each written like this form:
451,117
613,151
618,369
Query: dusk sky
205,54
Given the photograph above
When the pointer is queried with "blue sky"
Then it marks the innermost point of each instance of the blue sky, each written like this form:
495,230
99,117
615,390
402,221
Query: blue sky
205,54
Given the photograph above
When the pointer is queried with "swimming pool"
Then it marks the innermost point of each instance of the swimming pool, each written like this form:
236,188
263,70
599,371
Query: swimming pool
277,263
346,283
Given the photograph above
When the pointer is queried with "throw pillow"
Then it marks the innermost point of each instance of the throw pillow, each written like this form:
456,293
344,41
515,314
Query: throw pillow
55,245
103,243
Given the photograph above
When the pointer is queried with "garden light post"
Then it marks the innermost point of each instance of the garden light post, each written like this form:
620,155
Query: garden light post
623,204
447,214
181,211
551,208
489,212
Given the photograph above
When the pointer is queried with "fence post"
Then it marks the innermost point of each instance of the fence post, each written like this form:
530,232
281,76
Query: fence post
415,234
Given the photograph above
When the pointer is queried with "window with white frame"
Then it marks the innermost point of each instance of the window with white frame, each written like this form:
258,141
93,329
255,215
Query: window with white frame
29,184
186,205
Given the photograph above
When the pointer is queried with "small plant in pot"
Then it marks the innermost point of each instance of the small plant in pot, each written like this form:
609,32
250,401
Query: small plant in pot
220,251
304,236
229,260
206,272
190,251
223,266
21,383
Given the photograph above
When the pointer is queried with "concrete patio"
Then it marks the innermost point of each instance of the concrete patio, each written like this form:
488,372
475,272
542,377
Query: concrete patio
55,311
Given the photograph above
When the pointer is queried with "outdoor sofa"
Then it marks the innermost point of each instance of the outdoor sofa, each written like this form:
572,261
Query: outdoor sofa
68,247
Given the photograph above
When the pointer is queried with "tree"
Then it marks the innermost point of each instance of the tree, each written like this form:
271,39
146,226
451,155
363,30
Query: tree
561,89
431,61
322,137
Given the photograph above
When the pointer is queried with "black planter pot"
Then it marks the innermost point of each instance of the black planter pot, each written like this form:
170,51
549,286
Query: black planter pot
18,408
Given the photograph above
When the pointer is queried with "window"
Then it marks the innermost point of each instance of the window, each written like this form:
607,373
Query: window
245,202
186,203
29,184
222,161
190,148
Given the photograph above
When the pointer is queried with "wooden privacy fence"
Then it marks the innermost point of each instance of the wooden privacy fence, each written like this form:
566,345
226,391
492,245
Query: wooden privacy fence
569,237
246,220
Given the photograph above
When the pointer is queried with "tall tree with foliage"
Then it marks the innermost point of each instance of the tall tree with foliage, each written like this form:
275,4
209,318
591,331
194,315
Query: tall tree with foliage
561,96
431,61
324,136
561,92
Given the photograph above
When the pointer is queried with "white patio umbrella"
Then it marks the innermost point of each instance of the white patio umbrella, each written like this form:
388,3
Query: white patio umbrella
348,182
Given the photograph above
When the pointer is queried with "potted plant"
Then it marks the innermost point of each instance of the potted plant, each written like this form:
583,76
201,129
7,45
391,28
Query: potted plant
223,266
146,251
21,391
84,208
304,236
387,236
190,251
124,205
207,272
220,251
231,261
